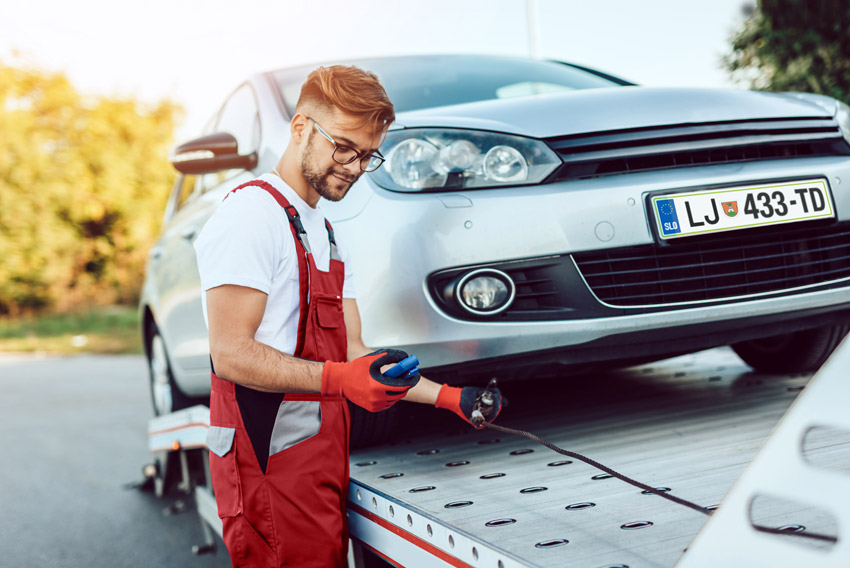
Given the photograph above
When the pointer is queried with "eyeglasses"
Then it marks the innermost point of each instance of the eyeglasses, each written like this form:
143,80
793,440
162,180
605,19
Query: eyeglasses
346,154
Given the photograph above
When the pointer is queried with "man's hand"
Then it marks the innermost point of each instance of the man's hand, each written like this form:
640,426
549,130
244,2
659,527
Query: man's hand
461,401
361,381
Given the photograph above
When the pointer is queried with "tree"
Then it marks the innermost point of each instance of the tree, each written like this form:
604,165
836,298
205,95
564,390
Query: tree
83,182
795,45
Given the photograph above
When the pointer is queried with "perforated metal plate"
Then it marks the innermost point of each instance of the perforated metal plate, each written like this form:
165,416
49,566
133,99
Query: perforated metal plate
690,424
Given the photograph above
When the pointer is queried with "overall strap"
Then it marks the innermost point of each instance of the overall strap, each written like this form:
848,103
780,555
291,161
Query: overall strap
297,227
302,245
334,251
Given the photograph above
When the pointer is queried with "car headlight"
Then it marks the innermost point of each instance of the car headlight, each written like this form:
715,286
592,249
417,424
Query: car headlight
843,118
444,159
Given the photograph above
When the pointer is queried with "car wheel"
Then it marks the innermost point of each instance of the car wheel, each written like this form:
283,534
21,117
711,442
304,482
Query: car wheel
372,428
165,394
797,352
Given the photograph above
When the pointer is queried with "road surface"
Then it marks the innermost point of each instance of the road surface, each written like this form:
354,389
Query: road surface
74,436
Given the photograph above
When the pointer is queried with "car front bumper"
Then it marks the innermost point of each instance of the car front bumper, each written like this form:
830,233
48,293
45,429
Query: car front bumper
399,240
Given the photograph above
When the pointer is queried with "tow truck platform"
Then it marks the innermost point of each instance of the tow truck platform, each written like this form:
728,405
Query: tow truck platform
448,495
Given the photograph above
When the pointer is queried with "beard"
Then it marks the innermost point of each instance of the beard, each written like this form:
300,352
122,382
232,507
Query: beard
326,182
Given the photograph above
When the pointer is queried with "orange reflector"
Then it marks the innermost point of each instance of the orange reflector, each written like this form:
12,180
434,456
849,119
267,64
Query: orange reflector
175,445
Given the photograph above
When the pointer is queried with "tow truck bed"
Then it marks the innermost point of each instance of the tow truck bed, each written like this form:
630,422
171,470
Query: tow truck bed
691,423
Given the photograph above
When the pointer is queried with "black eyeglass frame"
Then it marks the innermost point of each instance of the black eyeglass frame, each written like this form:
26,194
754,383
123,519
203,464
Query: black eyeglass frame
357,155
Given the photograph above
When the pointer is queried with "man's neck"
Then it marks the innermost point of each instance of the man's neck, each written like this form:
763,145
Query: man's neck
289,172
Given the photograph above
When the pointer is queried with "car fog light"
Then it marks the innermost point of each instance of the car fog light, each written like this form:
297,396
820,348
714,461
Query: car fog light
505,164
485,292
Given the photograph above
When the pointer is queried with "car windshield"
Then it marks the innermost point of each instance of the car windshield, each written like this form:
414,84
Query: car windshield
418,82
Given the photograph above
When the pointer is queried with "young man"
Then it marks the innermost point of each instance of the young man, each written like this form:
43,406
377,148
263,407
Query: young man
285,340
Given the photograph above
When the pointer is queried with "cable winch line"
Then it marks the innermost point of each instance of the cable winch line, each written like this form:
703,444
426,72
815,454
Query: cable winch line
604,468
814,536
653,490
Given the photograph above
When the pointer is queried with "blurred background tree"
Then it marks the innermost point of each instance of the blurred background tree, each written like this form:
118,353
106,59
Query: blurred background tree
83,183
794,45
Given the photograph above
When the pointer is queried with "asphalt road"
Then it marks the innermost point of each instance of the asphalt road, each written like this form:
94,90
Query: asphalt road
73,436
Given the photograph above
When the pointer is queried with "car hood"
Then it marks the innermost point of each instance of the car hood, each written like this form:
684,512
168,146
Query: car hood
619,108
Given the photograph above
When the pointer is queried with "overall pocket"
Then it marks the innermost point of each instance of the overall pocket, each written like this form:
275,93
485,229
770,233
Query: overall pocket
326,328
329,313
223,471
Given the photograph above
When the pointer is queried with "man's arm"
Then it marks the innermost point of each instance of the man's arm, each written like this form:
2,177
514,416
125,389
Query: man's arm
234,314
425,390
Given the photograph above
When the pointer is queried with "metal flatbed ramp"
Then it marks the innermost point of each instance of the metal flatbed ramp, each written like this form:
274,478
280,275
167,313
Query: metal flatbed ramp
804,466
472,498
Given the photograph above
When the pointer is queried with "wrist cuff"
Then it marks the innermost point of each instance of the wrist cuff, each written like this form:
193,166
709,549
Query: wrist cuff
449,397
331,385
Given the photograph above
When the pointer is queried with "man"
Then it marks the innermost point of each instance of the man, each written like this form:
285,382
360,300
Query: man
285,335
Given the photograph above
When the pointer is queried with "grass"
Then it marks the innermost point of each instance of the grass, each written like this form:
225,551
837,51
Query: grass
102,330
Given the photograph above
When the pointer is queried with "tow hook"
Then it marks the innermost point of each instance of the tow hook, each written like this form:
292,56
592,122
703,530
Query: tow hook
483,407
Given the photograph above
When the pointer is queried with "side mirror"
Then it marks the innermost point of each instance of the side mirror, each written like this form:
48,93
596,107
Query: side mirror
211,153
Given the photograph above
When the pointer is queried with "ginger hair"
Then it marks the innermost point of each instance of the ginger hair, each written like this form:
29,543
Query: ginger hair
350,89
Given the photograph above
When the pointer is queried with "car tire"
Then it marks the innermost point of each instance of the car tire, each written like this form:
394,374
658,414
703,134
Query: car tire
166,396
372,428
797,352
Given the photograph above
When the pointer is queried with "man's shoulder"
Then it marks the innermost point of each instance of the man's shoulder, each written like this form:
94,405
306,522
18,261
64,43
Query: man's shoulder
248,215
247,207
251,197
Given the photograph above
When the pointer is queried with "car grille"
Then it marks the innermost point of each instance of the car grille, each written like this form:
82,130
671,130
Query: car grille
647,149
718,269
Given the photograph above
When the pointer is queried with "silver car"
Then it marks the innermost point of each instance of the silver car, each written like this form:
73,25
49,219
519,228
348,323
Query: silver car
533,215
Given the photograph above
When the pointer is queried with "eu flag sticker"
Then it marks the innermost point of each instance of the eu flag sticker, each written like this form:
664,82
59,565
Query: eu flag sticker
668,220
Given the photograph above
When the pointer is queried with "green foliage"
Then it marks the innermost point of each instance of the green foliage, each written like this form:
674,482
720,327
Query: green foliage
100,330
795,45
83,182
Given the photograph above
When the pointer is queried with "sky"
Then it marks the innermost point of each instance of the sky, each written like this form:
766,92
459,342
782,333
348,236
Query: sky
195,52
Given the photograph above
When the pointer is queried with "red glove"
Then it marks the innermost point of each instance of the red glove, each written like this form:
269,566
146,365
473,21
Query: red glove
361,381
461,401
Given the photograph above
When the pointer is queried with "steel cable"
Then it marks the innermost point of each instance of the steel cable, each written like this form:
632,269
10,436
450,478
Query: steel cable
643,486
602,467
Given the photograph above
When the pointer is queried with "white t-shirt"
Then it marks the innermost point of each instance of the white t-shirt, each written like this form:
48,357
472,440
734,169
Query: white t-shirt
248,242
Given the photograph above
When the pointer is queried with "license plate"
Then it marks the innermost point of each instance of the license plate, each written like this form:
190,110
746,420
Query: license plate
730,209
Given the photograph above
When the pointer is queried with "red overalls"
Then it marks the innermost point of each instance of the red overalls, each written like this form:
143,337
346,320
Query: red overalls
279,463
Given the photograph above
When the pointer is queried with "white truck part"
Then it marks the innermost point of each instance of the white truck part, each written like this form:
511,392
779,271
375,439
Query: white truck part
802,466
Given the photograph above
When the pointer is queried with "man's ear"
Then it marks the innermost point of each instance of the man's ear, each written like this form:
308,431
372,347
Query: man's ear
298,126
